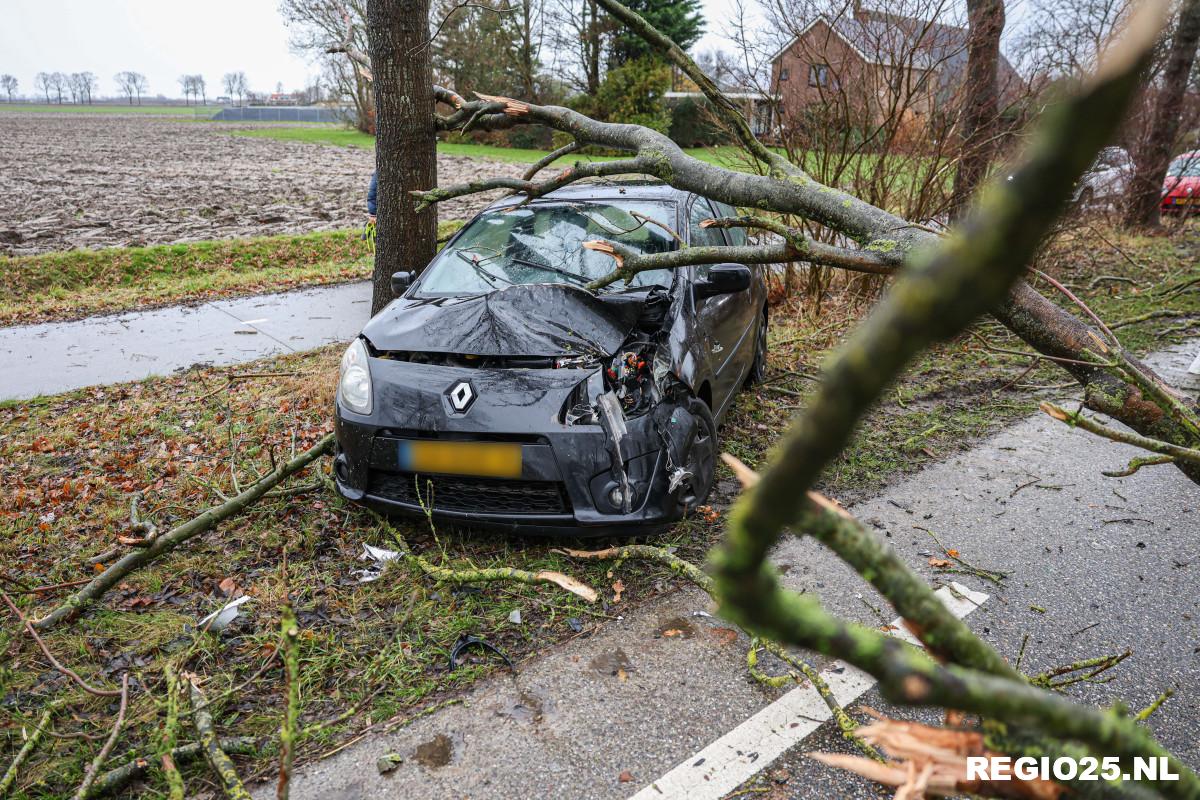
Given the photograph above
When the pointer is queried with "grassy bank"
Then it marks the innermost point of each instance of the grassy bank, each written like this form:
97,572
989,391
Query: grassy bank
377,651
82,282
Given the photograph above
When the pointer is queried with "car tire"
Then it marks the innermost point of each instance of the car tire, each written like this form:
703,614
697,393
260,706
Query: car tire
758,367
701,458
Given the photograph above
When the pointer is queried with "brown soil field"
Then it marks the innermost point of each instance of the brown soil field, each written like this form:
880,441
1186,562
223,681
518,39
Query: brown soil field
70,181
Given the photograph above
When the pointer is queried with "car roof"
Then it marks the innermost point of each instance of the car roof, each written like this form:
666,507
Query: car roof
610,190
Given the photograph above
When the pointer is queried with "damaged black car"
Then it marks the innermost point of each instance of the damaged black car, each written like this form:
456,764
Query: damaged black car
499,391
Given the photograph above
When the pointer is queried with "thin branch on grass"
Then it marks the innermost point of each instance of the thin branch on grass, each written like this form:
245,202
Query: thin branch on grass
93,769
217,758
1161,313
118,778
168,541
167,739
50,656
31,742
289,632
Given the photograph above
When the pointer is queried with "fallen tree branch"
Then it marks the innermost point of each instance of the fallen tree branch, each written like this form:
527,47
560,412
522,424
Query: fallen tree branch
166,742
1077,420
50,656
217,758
1137,463
31,742
118,778
94,768
168,541
1149,315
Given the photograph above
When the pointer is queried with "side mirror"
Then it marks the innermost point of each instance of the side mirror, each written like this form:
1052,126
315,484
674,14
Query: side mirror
400,282
723,279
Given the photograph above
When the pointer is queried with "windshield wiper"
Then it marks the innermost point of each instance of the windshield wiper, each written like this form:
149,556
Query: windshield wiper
582,279
487,275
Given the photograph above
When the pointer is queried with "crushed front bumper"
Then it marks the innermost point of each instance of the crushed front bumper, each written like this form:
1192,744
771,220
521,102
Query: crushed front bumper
567,471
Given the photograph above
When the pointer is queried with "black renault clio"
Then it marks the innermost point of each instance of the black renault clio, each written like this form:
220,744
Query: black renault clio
499,391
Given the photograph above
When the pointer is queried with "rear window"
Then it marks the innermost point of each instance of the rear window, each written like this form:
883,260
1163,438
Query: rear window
1185,167
543,243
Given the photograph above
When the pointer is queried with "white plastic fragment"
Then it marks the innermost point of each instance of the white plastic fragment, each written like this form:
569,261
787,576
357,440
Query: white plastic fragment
220,619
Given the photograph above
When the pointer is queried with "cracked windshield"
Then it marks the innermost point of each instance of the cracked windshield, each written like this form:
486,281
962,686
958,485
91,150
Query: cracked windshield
543,243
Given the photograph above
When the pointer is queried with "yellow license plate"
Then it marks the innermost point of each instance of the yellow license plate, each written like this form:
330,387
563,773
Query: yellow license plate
489,459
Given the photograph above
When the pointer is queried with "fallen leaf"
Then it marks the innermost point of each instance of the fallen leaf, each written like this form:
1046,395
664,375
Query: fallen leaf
952,553
625,777
724,636
940,563
672,632
229,588
618,588
622,675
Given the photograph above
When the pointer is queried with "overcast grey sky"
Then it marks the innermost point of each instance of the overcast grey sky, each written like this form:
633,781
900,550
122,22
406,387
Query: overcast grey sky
164,39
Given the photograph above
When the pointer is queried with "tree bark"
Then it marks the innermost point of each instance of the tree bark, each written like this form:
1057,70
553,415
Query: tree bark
1155,156
405,144
981,98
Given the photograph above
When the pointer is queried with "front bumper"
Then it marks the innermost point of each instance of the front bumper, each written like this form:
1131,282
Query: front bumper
567,473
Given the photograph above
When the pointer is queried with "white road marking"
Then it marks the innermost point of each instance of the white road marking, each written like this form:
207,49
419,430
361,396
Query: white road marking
752,746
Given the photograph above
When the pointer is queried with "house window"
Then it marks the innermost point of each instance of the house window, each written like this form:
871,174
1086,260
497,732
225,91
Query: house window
783,73
818,75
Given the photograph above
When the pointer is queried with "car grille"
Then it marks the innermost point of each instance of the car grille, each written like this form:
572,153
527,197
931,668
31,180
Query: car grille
479,495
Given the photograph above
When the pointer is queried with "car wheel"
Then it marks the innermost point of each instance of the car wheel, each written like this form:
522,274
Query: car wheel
701,459
758,368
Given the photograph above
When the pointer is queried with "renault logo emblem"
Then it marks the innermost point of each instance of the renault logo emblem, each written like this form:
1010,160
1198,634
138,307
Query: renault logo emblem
461,396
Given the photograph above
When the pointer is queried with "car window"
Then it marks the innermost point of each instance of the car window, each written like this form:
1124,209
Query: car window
703,237
543,243
1185,167
736,236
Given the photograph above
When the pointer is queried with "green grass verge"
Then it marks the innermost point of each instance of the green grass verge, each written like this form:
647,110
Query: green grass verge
81,282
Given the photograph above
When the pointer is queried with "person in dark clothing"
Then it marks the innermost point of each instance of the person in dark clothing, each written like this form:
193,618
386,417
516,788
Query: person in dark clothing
372,196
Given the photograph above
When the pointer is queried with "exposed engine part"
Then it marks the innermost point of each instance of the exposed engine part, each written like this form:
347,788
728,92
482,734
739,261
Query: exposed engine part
677,478
629,375
612,419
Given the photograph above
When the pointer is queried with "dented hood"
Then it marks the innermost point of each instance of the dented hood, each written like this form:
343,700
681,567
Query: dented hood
524,320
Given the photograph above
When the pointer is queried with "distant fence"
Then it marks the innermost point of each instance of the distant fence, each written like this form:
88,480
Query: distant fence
282,114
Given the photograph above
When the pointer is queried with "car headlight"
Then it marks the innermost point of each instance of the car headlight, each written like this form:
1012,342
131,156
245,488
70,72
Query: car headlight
354,381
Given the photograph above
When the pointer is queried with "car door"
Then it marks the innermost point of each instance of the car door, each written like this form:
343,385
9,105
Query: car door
724,320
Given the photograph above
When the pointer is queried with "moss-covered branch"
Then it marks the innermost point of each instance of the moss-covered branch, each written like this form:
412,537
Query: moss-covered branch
217,758
1076,419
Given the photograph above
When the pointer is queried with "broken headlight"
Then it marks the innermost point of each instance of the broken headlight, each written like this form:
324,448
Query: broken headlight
354,381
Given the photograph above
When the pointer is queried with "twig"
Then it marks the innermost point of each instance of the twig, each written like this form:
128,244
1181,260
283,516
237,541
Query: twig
289,630
217,758
1145,713
171,539
97,762
1137,463
1092,666
50,656
10,774
1076,419
166,746
118,778
1161,313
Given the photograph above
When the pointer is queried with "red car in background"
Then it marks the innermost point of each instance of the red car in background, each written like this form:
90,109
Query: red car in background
1181,188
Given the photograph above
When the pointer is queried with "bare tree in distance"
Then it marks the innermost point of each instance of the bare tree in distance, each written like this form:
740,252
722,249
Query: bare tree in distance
74,87
200,87
9,84
1065,39
88,84
60,85
405,141
132,85
1153,157
186,84
43,83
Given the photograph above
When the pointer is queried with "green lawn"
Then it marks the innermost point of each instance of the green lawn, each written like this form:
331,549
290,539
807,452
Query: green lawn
81,282
149,110
343,137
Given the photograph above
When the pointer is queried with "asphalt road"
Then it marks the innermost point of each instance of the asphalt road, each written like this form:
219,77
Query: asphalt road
55,357
1095,565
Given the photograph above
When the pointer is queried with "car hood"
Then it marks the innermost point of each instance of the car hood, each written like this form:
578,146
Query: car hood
545,319
1180,186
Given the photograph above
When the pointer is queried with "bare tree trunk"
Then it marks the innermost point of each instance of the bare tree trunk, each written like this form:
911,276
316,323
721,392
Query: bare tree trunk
1155,156
591,45
405,144
981,98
